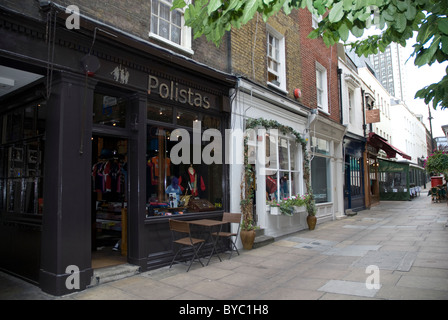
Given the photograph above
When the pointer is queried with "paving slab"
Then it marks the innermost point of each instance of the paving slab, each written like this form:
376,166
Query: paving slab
349,288
388,260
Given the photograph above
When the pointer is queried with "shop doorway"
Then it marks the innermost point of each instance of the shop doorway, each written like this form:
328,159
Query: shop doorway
109,201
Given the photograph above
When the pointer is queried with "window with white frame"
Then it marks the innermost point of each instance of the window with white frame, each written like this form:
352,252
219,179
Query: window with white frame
320,170
321,86
351,106
276,58
282,167
168,26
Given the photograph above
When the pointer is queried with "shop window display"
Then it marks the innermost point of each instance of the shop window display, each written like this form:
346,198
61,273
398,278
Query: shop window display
21,168
282,168
109,110
109,182
182,188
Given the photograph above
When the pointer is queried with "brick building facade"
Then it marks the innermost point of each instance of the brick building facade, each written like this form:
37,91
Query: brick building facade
312,51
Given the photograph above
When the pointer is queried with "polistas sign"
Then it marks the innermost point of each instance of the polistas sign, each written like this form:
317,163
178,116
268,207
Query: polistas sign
171,90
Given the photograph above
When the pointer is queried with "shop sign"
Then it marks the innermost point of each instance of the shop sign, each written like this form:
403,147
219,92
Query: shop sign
170,90
373,116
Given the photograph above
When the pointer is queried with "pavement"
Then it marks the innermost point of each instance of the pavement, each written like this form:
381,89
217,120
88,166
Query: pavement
397,250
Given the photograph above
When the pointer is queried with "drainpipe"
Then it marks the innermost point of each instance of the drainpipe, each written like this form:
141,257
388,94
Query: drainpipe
340,95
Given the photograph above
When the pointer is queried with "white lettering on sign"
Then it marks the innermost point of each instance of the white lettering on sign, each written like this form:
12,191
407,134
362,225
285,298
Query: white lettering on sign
121,75
172,91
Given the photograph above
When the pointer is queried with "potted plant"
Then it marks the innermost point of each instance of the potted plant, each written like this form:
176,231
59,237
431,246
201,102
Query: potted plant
310,205
247,232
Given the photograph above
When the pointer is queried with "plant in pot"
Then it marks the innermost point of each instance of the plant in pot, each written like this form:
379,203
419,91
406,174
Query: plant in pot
310,205
248,227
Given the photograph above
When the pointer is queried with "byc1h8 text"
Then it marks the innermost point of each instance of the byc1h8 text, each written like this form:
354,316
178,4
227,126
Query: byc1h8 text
227,309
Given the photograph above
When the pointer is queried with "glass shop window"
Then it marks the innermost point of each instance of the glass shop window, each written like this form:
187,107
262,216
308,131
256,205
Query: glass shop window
109,110
179,188
22,155
282,167
160,113
320,170
321,179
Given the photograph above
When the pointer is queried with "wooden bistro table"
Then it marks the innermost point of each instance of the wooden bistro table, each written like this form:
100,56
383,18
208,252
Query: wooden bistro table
210,224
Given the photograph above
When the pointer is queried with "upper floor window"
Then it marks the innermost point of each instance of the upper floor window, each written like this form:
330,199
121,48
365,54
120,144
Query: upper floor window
168,26
321,86
276,59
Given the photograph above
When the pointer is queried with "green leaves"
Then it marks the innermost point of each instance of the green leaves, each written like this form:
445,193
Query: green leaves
443,25
249,10
336,13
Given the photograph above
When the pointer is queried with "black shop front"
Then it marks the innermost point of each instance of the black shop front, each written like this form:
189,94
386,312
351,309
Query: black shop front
96,127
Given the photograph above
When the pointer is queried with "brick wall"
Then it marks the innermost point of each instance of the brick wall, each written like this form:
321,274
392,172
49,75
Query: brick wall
312,50
208,54
249,49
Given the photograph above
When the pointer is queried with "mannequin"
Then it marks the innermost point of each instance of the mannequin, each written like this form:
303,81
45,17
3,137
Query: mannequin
271,187
192,181
174,188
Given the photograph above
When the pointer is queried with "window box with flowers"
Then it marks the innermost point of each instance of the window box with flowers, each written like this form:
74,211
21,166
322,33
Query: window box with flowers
288,206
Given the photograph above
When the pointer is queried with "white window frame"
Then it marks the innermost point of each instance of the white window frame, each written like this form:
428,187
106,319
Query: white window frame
273,164
322,148
281,61
322,88
185,36
351,104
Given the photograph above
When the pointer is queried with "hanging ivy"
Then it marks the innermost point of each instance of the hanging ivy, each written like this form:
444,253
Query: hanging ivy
248,193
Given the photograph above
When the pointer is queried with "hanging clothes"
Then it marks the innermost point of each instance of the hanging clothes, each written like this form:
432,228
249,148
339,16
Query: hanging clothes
98,176
192,181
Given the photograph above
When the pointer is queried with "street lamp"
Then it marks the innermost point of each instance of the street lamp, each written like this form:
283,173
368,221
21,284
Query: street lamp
430,128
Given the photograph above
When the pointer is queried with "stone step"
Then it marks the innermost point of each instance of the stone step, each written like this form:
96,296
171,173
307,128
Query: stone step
262,240
113,273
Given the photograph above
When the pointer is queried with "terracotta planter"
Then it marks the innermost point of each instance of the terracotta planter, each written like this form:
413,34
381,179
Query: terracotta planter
311,221
247,238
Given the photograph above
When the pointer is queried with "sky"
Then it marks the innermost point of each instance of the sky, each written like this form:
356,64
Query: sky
418,78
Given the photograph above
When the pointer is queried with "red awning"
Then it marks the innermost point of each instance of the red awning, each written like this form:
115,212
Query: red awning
381,143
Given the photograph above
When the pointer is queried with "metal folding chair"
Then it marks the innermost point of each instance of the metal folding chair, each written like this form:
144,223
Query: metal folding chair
231,236
178,231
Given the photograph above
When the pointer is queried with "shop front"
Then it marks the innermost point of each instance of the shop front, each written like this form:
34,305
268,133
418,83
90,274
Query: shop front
354,192
276,157
327,167
375,189
96,131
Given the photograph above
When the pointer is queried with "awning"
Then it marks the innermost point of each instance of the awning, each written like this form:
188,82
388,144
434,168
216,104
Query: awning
381,143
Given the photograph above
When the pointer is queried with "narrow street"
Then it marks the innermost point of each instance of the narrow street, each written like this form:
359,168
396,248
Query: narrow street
404,243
